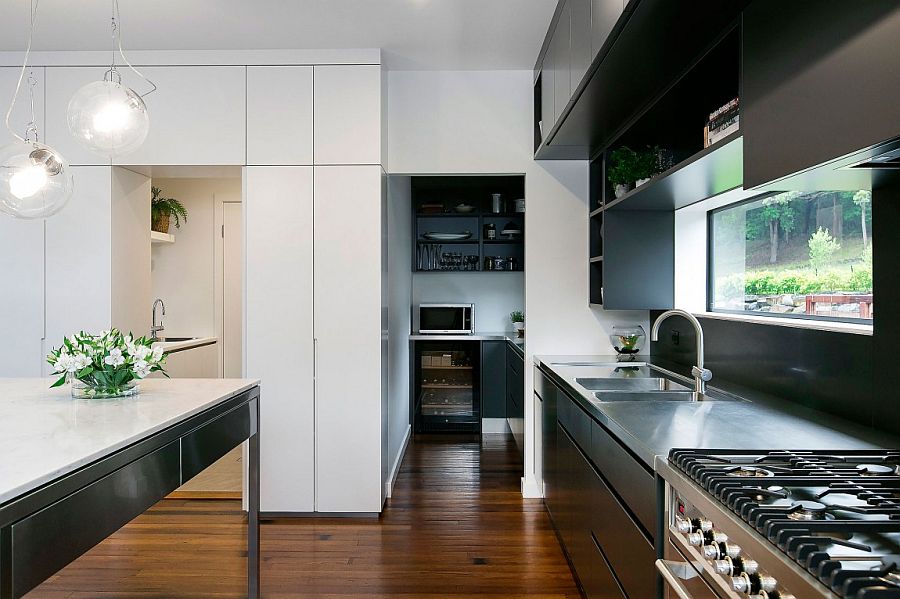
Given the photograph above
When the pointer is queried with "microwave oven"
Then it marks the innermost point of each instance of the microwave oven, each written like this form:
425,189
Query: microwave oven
446,319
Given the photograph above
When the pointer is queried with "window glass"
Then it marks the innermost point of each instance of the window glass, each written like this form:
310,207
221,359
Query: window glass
795,254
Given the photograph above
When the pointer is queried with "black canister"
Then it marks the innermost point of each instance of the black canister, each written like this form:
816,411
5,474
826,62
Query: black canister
490,231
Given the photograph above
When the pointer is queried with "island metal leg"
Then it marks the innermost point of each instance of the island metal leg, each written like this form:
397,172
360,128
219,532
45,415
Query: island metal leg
253,511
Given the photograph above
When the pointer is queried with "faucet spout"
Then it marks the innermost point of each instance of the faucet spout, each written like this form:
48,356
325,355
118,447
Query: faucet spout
701,374
156,328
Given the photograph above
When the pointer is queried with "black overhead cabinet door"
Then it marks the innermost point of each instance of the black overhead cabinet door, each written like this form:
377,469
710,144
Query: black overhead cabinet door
821,79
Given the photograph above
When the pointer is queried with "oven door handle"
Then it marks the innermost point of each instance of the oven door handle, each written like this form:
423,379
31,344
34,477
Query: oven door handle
668,571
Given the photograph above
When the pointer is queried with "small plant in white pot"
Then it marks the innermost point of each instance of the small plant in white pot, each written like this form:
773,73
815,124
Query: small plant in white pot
518,321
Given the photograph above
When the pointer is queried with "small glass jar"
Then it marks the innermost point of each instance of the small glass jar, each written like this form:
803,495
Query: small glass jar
627,340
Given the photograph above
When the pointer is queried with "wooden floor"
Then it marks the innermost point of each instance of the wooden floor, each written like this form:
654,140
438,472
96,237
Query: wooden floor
456,527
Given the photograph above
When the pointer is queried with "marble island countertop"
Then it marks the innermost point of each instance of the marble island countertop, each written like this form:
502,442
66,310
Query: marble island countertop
44,433
739,419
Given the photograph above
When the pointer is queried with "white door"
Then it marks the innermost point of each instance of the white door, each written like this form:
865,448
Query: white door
348,338
279,334
232,294
347,114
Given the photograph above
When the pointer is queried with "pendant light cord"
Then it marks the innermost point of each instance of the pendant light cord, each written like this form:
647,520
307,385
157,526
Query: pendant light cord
117,40
31,125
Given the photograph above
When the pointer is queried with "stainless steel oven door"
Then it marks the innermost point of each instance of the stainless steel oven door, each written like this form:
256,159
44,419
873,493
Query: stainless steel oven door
681,580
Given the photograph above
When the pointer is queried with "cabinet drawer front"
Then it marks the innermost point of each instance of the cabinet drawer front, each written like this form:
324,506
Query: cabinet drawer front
576,421
202,447
628,478
53,537
628,552
599,583
542,386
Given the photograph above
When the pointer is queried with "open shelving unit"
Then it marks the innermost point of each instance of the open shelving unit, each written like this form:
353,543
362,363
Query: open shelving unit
157,237
631,263
434,202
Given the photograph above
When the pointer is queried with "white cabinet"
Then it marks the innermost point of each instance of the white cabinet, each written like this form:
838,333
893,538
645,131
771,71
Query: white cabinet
197,114
79,258
347,114
279,115
348,296
279,329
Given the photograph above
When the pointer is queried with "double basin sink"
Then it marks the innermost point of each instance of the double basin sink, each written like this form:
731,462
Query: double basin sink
631,381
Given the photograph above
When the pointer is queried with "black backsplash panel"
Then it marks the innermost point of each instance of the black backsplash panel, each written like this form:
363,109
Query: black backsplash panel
826,371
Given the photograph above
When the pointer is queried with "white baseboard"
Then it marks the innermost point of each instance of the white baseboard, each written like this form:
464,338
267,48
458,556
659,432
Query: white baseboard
398,459
530,488
494,426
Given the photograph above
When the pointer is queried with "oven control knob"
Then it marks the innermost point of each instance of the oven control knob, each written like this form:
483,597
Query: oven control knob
741,583
711,552
695,538
733,551
683,526
705,525
749,566
767,584
724,566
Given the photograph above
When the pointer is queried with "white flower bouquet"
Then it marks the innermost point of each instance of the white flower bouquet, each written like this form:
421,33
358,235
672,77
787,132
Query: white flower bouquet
106,365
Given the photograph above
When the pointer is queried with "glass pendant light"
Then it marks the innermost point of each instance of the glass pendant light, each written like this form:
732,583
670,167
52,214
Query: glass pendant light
35,181
106,117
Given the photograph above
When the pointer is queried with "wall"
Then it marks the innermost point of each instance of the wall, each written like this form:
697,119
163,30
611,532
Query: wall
400,285
446,122
184,273
131,287
494,295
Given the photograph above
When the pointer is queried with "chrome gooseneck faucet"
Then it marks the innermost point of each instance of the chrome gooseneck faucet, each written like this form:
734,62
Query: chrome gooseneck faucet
701,374
156,328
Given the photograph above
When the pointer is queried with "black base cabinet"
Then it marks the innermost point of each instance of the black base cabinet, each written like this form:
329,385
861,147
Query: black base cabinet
609,549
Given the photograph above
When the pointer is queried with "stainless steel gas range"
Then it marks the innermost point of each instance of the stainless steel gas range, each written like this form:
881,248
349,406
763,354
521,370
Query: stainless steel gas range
781,524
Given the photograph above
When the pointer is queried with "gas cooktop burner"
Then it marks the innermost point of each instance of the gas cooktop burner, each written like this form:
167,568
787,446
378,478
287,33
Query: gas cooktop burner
876,470
807,510
749,472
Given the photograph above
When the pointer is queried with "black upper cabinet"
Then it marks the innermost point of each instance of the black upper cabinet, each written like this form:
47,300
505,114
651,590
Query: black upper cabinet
604,14
580,46
821,80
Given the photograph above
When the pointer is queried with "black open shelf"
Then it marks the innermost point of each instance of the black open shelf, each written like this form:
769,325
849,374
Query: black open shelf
474,190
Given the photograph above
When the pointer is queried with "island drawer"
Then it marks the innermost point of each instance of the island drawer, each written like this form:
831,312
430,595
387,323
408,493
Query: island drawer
628,478
49,539
203,446
576,421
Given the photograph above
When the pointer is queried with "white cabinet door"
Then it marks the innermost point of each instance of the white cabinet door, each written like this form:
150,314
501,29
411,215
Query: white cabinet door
79,259
347,109
348,338
197,116
278,230
279,115
21,251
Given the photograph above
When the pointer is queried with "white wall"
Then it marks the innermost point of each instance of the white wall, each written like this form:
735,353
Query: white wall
131,288
184,273
495,295
399,284
481,122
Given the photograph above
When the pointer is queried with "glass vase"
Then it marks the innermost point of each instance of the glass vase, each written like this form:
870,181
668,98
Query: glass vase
83,390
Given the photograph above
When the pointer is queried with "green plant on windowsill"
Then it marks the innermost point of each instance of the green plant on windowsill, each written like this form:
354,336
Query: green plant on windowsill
163,209
517,317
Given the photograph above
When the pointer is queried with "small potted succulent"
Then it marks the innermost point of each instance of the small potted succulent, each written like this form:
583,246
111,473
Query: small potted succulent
163,209
106,365
517,318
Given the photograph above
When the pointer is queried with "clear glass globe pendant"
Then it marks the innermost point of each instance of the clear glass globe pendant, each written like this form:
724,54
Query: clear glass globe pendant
35,181
107,117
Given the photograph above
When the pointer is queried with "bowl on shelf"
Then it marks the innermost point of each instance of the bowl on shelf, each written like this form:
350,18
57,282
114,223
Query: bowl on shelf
434,236
463,208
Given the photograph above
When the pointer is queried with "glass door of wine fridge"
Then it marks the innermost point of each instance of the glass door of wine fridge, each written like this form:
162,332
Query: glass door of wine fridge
448,394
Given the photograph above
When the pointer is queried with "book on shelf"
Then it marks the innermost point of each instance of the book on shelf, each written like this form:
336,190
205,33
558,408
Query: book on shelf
722,122
722,132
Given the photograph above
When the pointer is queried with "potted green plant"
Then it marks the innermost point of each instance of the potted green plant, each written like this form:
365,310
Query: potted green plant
517,318
621,170
163,209
647,165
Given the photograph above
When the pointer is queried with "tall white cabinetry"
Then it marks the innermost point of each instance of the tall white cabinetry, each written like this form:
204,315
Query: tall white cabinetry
314,284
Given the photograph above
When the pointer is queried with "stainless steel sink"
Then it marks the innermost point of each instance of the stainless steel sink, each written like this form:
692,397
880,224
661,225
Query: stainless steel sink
601,364
652,384
683,395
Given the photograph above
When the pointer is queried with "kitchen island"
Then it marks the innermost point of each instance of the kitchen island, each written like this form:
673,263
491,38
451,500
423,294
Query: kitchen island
72,472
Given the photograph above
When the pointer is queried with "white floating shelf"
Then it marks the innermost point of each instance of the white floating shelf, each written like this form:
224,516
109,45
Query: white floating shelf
157,237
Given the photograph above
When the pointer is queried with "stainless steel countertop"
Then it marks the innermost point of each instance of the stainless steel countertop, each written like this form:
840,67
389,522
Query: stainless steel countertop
652,428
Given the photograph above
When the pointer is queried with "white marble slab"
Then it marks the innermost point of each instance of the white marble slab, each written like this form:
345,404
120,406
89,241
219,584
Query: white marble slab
44,433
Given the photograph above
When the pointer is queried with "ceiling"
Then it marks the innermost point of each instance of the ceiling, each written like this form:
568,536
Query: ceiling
414,34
